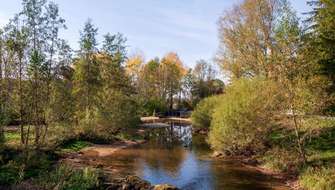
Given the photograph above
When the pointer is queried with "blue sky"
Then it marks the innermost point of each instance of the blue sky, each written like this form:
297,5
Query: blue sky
153,27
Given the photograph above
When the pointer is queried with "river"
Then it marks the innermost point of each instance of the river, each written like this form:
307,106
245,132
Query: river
174,156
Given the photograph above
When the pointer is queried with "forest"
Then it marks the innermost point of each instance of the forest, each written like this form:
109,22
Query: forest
275,112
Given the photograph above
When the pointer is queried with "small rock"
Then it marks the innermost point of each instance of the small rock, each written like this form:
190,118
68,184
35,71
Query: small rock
165,187
217,154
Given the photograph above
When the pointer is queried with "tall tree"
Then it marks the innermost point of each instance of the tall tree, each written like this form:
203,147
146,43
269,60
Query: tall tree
246,37
17,40
86,76
321,39
33,12
172,72
53,24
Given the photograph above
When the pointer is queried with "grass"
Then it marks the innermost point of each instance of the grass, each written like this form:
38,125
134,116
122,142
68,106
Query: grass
12,137
318,178
319,172
65,177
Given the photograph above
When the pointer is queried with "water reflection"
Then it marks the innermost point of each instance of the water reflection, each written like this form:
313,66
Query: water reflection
176,157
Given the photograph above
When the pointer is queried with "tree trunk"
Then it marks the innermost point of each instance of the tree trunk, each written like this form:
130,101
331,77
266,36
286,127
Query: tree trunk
300,142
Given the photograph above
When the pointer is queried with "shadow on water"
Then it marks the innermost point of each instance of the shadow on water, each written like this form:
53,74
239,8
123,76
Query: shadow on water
174,156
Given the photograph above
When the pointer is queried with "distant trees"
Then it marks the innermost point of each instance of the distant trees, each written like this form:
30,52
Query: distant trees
204,82
166,84
158,82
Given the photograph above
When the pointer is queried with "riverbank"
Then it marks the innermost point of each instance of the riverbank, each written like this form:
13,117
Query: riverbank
77,157
288,180
90,157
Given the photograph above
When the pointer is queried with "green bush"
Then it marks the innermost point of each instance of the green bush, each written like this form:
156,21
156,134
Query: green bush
318,179
202,115
245,115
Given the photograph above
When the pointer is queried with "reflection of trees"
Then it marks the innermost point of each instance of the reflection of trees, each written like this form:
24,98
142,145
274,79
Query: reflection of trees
199,145
170,160
165,150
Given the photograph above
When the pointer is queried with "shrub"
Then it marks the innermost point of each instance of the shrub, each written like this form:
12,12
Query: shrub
318,179
245,115
202,115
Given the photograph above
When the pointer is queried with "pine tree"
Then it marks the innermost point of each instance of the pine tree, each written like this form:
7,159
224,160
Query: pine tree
322,38
86,76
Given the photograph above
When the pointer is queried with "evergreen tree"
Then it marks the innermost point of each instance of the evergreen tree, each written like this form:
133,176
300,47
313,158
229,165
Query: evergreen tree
322,38
87,76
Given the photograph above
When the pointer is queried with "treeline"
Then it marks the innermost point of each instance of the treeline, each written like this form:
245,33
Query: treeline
98,89
281,94
166,84
42,84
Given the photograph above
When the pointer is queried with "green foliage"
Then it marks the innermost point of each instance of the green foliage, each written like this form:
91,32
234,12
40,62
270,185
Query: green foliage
153,106
11,173
67,178
202,114
318,178
245,115
12,136
17,166
74,145
322,39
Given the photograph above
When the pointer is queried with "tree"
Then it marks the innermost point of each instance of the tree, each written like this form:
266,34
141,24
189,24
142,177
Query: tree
17,43
2,116
33,13
53,24
134,65
62,101
320,41
205,83
246,37
151,92
114,45
86,76
172,72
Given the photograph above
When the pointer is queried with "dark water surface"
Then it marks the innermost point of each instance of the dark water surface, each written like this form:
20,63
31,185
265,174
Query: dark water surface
174,156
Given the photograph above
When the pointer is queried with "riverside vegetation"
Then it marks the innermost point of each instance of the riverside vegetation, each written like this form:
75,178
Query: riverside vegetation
277,108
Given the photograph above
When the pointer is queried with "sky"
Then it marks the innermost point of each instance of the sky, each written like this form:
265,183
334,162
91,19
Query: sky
152,27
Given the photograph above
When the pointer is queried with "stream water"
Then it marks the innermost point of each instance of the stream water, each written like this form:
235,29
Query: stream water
174,156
